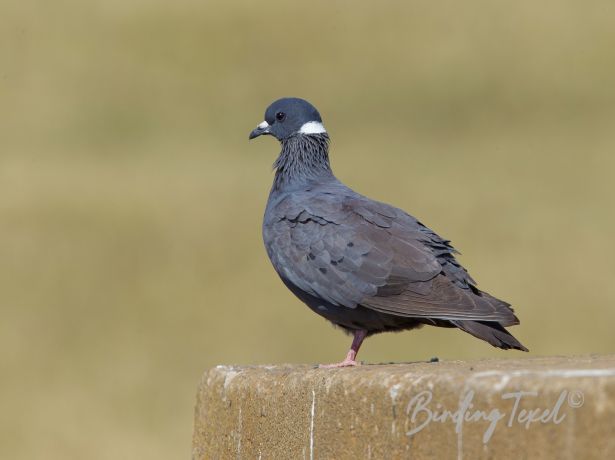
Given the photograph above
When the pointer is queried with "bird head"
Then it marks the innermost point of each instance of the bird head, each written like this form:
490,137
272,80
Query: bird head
289,116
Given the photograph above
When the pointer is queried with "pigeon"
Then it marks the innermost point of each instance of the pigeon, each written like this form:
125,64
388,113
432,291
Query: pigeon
366,266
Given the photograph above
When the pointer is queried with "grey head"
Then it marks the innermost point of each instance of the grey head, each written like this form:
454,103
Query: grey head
288,117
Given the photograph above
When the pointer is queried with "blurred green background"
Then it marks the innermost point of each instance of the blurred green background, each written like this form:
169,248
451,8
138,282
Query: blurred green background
131,201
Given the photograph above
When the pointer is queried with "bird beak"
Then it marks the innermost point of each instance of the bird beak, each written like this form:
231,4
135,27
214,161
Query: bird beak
261,129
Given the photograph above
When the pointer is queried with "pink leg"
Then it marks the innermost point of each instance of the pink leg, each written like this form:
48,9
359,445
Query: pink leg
359,336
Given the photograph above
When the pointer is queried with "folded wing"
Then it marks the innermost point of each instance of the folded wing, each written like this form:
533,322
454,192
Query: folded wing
356,251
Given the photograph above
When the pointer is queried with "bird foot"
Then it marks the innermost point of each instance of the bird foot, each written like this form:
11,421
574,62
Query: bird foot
345,363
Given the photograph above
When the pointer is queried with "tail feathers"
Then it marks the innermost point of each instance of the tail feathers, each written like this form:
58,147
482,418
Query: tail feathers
491,332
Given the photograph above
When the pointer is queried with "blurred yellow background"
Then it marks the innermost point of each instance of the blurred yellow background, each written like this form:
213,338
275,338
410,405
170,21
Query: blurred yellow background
131,201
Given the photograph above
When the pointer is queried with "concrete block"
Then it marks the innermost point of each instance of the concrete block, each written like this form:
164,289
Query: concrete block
537,408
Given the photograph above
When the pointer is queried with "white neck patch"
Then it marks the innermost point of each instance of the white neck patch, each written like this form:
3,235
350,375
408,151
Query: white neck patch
312,127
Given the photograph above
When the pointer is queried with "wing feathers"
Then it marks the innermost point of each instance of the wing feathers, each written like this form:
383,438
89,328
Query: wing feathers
356,251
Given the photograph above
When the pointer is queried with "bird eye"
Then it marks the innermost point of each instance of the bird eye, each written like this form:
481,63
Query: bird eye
280,116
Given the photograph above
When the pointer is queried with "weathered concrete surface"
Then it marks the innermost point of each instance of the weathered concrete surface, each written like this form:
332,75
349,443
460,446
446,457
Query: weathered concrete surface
278,412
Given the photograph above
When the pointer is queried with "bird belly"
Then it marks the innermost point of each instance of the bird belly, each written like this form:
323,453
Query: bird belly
352,319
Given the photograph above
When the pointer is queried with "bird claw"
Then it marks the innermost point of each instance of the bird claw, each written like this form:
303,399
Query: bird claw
345,363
